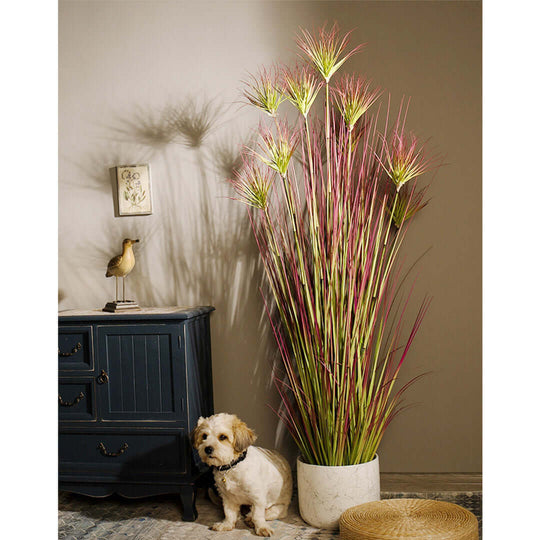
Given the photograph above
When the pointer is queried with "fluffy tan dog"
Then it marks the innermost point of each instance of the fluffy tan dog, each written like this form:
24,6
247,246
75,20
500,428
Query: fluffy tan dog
244,474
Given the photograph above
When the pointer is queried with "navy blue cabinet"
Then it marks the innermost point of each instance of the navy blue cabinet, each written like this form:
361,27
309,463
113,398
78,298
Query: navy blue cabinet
131,388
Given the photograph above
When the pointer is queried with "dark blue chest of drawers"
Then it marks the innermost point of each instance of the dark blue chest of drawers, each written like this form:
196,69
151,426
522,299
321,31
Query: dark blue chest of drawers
131,388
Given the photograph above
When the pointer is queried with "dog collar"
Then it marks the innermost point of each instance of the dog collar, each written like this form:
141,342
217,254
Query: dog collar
232,463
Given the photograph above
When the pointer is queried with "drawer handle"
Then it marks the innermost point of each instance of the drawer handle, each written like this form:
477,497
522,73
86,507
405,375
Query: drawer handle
67,403
75,350
104,452
103,377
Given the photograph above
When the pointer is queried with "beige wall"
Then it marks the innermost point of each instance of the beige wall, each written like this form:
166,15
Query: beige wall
125,65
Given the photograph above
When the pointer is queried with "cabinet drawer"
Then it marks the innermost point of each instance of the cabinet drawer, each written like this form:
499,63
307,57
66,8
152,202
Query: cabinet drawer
75,348
123,455
76,400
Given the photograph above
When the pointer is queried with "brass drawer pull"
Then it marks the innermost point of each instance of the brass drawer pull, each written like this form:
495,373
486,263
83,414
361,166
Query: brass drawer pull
75,349
67,403
103,377
103,450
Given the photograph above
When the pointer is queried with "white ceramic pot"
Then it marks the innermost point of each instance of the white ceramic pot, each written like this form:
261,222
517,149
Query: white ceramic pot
324,493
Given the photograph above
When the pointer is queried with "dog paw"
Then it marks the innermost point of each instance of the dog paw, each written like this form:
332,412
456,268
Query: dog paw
264,531
221,526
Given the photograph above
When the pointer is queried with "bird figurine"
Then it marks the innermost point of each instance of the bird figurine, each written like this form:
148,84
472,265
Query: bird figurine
121,266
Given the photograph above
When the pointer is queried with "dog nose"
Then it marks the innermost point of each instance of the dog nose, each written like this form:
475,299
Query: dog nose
209,449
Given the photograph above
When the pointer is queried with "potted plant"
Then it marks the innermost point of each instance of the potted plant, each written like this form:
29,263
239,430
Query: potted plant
329,227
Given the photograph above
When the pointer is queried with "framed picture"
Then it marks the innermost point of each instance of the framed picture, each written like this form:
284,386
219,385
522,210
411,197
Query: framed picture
134,194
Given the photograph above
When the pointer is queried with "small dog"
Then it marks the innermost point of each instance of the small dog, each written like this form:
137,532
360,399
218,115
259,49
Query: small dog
244,474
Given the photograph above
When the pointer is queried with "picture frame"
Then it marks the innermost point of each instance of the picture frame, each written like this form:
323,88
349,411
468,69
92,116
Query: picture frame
133,190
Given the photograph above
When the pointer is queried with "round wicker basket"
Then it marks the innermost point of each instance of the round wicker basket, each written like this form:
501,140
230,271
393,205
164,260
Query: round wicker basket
411,519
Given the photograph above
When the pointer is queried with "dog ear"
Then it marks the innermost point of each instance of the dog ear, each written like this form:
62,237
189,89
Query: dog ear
243,436
195,432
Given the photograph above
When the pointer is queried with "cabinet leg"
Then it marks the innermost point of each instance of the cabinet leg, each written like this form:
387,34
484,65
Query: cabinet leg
187,496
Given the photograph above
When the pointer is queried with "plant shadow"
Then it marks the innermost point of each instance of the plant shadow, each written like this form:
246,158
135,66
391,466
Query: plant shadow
196,248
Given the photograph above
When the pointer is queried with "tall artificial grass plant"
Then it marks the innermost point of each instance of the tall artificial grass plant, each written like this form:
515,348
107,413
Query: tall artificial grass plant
329,227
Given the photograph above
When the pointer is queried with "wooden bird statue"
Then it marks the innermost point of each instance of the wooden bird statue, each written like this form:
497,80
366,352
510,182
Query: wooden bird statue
121,266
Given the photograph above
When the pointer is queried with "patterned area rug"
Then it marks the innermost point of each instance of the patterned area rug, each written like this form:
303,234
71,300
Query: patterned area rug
116,518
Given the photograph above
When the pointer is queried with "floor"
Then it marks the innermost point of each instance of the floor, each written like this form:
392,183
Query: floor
160,518
425,482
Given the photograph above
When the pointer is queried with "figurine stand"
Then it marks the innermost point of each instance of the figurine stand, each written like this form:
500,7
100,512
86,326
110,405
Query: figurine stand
121,305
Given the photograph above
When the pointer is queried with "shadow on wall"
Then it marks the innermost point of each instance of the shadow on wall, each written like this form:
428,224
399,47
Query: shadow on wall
196,248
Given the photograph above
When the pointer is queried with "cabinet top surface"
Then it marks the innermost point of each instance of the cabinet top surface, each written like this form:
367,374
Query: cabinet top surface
171,312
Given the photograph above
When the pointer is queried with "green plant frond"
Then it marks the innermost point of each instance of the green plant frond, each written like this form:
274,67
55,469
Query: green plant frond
252,186
301,88
277,150
262,92
325,51
353,98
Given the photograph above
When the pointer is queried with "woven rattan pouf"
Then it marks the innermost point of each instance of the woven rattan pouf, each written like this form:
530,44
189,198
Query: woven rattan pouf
411,519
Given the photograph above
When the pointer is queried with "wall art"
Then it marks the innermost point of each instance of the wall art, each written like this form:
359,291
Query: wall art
134,190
